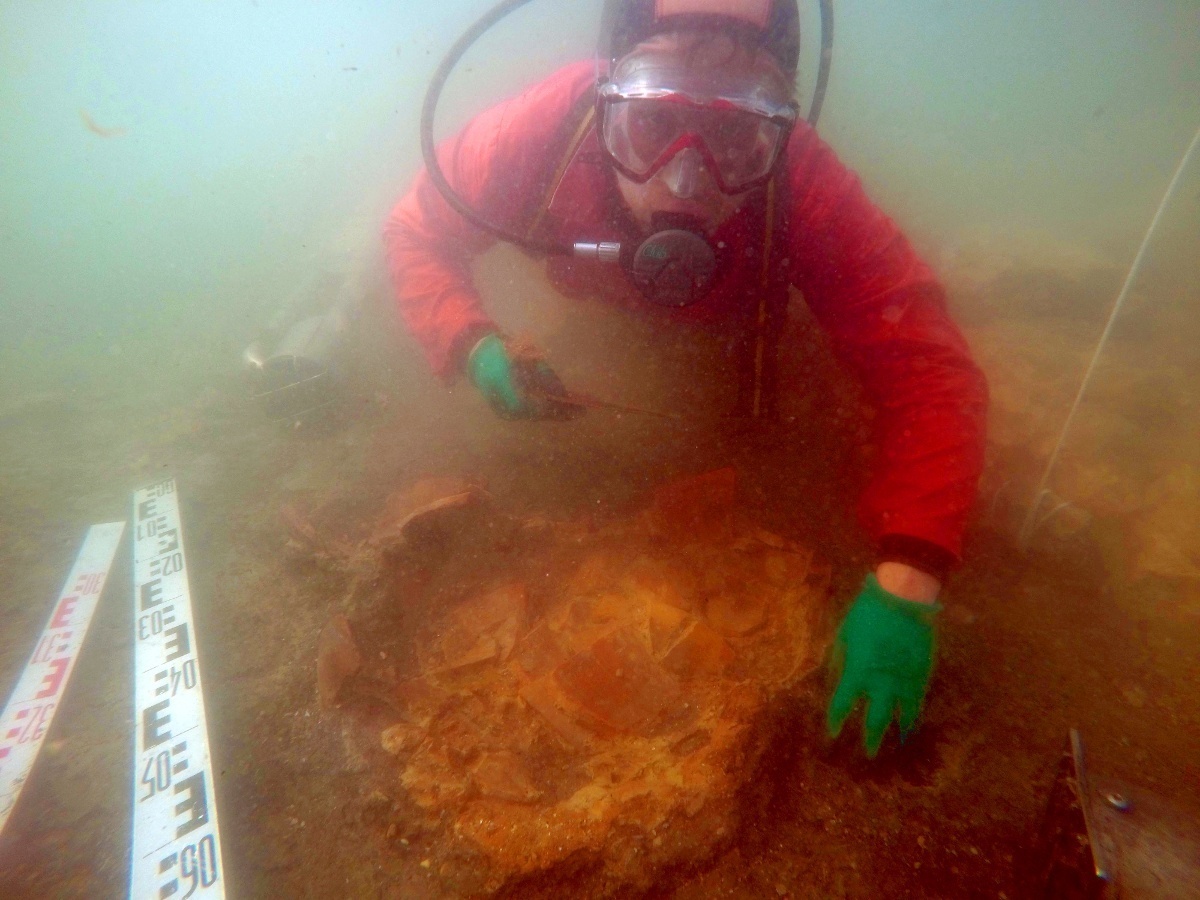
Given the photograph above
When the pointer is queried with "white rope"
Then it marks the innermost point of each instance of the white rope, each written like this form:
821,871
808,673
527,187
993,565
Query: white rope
1031,520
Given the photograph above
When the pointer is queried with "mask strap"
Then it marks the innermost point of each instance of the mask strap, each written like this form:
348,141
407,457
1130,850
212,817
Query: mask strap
585,123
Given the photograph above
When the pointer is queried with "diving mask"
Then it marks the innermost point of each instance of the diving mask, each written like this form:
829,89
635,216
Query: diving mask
658,104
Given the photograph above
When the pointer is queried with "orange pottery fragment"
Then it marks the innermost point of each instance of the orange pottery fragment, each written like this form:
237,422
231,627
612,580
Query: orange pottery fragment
666,623
422,503
502,775
545,697
737,612
401,738
618,682
298,525
700,652
538,651
337,659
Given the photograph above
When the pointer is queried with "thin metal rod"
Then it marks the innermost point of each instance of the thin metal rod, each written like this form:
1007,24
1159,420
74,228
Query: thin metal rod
1030,523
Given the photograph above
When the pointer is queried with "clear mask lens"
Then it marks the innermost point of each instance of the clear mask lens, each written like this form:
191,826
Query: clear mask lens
643,135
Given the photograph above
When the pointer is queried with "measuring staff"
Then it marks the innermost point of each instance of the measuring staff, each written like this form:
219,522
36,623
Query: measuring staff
176,846
35,700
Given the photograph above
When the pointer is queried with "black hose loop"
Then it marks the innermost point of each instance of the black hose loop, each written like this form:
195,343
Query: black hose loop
818,100
438,82
429,151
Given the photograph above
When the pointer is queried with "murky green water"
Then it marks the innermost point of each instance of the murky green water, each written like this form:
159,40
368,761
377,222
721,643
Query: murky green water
178,180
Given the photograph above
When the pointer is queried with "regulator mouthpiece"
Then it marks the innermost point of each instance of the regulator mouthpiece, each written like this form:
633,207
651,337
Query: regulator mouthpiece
675,266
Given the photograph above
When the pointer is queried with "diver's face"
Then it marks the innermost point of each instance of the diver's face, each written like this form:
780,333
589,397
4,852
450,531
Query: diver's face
689,64
684,186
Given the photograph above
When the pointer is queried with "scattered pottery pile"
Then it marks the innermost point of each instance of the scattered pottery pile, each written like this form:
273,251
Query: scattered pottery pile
599,709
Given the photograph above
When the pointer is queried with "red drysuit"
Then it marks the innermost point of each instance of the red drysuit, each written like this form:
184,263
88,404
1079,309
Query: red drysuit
882,307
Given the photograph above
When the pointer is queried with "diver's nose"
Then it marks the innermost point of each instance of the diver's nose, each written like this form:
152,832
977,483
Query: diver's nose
682,174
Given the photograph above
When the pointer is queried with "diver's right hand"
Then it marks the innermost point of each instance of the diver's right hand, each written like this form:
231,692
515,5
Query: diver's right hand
883,654
516,391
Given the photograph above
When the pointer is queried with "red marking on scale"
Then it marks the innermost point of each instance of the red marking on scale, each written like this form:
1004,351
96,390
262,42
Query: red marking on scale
62,615
53,681
28,717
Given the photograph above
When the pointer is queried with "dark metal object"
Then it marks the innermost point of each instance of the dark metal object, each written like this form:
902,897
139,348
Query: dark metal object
297,380
1063,865
1117,801
1096,843
598,251
305,372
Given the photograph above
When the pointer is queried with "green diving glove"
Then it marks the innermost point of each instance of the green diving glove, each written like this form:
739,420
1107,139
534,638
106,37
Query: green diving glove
884,651
516,389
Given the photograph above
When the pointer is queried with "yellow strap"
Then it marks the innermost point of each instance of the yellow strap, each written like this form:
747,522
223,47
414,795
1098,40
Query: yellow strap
576,139
760,340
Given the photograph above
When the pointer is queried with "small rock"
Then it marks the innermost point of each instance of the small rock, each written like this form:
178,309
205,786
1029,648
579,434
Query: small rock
376,806
1134,695
400,738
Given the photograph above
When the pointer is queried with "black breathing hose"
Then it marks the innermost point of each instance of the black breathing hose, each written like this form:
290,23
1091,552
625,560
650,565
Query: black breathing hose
818,100
434,93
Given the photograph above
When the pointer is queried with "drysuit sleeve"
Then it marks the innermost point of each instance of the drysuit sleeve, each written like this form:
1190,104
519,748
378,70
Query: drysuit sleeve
496,163
886,316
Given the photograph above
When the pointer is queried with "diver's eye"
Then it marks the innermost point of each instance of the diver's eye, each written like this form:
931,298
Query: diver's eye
652,123
735,129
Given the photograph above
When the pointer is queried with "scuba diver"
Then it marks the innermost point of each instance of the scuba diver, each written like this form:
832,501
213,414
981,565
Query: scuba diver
674,176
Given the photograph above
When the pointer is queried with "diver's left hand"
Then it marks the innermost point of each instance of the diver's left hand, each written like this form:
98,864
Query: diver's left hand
883,652
517,387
